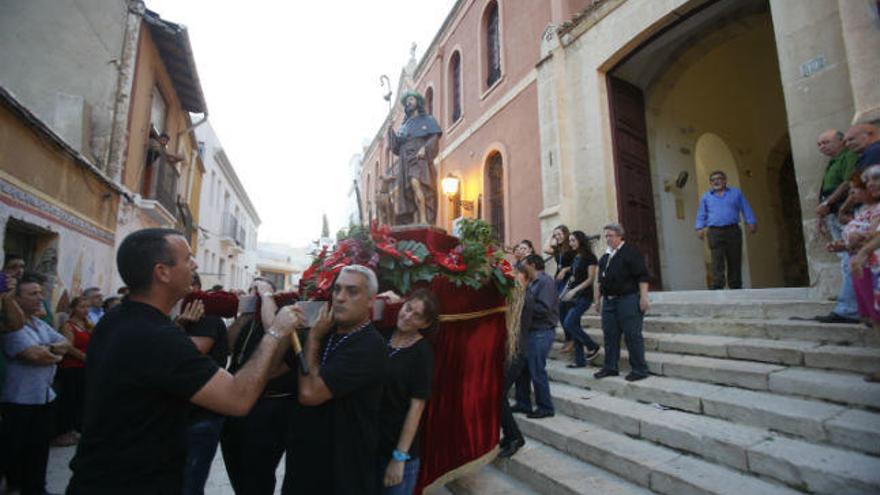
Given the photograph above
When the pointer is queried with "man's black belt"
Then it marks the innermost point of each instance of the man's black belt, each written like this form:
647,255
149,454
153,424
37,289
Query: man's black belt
612,297
722,227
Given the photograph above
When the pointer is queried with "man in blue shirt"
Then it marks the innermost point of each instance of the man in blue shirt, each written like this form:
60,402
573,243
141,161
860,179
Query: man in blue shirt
32,354
719,213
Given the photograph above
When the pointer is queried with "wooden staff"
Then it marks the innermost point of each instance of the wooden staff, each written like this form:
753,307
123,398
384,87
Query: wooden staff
298,350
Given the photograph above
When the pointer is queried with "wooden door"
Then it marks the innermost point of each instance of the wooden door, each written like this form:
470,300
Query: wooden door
635,196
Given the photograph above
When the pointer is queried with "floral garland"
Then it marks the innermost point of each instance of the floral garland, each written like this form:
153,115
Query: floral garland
400,264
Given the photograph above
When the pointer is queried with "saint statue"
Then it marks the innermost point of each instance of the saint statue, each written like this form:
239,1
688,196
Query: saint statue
416,144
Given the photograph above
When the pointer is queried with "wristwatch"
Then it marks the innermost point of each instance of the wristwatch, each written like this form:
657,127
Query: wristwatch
400,456
274,333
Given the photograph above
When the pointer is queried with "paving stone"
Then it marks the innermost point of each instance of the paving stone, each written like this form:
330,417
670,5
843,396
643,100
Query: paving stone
830,385
709,438
619,415
778,329
818,469
847,358
690,476
791,415
856,429
437,490
489,481
670,392
790,352
724,371
700,345
629,458
550,471
555,431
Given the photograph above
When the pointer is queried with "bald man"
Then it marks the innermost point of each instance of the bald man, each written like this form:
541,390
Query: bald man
835,182
864,139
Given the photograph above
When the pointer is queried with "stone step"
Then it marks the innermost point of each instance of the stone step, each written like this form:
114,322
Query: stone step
834,386
489,480
658,468
758,309
788,352
813,420
550,471
778,329
718,440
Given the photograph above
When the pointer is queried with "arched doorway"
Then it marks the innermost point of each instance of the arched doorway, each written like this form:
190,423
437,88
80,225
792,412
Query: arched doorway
712,99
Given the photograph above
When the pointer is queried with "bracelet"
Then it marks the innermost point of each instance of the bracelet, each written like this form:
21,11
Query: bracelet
272,333
400,456
267,294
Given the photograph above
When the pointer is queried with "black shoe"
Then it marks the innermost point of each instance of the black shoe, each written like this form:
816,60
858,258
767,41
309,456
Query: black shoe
540,414
833,317
510,448
520,409
575,365
603,373
634,377
591,355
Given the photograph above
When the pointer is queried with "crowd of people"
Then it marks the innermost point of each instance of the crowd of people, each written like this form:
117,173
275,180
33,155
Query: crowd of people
149,383
849,215
150,387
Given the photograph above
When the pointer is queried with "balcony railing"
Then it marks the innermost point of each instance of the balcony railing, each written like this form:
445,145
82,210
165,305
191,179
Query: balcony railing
233,230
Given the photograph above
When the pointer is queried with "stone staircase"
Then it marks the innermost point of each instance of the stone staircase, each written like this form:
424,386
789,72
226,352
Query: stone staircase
743,400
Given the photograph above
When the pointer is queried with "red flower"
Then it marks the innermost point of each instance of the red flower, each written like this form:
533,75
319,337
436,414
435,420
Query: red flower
389,249
450,261
410,256
506,268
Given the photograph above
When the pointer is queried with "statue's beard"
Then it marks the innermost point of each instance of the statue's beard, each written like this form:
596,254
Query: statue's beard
410,111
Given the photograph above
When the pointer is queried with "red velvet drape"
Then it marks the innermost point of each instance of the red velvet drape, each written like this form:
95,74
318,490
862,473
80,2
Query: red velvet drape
462,420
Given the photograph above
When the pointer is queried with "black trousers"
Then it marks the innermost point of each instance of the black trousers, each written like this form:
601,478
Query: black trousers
24,445
253,445
71,399
517,367
725,244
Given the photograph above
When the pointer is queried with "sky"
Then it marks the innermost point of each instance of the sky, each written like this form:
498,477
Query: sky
293,93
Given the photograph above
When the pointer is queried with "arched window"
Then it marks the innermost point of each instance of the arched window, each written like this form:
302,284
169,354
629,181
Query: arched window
495,176
429,100
493,44
455,86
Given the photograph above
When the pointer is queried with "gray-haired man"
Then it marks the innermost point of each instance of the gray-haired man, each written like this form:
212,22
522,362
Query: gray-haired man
337,437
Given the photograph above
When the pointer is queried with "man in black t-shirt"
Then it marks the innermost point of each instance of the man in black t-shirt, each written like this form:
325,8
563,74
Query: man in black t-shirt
143,372
338,436
623,287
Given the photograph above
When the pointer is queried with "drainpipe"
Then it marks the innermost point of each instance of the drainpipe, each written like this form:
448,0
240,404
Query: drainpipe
204,119
125,66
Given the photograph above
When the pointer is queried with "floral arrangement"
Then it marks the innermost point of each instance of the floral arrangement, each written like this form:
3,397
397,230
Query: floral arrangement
399,264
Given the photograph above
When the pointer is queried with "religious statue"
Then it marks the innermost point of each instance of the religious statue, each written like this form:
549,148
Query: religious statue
384,202
416,144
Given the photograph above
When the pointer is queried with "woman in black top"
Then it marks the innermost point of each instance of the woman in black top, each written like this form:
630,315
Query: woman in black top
559,247
407,385
578,297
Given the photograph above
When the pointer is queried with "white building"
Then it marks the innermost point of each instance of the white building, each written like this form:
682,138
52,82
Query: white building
282,264
228,221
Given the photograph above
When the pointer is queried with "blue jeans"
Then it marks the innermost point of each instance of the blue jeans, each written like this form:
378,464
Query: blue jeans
407,485
572,324
563,307
202,439
537,350
622,315
846,298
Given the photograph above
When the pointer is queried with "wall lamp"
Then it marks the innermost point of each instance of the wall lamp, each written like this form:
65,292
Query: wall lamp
451,185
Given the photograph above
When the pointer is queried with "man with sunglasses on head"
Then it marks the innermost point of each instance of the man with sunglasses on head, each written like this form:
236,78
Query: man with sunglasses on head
718,218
